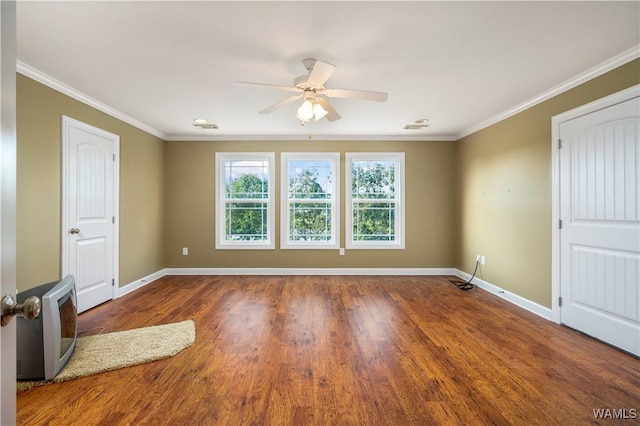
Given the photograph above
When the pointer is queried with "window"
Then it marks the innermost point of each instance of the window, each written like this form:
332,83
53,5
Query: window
310,201
245,202
375,200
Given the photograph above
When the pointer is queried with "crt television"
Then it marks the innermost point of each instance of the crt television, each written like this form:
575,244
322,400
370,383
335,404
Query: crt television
45,344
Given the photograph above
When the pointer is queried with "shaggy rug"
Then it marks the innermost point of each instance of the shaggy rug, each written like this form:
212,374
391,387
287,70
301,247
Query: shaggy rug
110,351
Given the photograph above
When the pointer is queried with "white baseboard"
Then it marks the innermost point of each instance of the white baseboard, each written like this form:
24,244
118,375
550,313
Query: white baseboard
310,271
519,301
135,285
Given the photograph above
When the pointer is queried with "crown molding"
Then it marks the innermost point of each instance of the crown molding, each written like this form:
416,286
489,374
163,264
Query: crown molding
600,69
322,138
59,86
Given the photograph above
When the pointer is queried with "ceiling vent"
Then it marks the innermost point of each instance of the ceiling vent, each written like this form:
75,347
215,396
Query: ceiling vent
419,124
201,123
206,126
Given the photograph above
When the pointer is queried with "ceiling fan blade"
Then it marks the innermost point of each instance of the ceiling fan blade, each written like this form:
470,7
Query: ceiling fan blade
320,73
273,86
364,95
280,104
332,114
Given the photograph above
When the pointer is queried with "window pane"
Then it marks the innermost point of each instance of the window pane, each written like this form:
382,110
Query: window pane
310,221
247,179
310,179
374,221
373,179
246,222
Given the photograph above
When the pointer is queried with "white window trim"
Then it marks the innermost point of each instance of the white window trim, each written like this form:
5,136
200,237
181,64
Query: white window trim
334,243
399,242
220,242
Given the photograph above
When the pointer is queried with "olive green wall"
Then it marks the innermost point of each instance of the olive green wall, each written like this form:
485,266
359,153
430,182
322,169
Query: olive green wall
190,193
504,191
39,119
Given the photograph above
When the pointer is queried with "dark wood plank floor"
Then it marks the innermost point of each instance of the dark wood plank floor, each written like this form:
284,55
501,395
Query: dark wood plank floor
296,350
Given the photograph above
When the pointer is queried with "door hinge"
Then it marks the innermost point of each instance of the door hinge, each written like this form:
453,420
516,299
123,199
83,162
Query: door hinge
114,157
559,143
113,219
559,301
113,282
560,224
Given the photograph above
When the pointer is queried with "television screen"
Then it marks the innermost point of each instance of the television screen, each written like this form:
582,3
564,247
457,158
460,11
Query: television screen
68,315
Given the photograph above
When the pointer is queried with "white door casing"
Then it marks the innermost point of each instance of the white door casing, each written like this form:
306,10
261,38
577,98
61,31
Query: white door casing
8,206
597,257
90,206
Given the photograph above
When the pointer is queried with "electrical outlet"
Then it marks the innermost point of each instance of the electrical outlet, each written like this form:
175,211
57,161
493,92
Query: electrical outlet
341,251
483,260
185,251
477,258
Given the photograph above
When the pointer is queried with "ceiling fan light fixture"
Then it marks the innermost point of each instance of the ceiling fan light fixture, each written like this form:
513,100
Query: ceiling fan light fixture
319,111
305,112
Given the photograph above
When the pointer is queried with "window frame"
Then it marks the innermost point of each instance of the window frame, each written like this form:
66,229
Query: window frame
221,158
399,197
285,214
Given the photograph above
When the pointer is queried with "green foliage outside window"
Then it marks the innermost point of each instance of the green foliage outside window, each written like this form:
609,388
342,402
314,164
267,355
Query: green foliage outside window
309,220
249,185
246,220
310,205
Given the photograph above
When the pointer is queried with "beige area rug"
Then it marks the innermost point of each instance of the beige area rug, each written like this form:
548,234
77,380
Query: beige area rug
111,351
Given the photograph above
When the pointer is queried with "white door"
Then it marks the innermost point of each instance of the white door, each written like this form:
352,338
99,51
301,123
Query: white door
89,211
600,233
8,206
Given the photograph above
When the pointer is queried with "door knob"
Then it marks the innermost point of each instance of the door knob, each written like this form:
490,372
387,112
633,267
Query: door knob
74,231
30,309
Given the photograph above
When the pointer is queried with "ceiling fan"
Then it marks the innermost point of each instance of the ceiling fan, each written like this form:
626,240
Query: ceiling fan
311,89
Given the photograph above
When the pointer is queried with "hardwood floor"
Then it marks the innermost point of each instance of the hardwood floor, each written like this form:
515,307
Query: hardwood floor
296,350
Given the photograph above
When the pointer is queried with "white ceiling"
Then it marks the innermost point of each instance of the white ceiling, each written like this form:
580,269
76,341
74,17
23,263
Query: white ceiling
459,64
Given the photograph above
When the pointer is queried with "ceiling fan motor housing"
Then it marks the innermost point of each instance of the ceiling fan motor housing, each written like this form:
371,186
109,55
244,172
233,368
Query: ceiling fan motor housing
302,83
